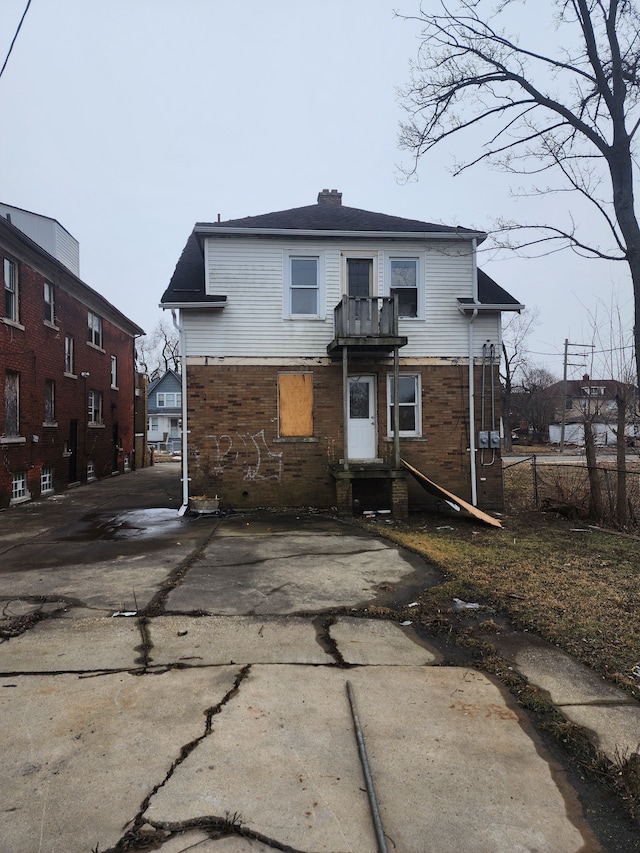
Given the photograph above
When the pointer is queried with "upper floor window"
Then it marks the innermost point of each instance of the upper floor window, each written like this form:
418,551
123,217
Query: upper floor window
11,306
114,372
11,403
303,297
94,329
168,399
49,401
409,408
49,303
403,280
68,354
95,407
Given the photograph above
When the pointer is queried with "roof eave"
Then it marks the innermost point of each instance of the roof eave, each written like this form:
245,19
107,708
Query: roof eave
216,306
205,230
484,307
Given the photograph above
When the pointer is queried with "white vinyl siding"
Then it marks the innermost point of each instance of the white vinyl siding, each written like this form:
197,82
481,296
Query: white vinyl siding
251,274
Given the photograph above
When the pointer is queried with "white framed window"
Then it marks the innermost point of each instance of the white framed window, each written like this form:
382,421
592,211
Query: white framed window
49,303
69,365
11,403
19,487
95,407
94,329
404,276
46,480
304,285
11,303
49,401
114,372
91,469
409,401
168,399
153,424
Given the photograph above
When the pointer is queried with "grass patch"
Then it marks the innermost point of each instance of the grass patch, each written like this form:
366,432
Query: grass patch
573,585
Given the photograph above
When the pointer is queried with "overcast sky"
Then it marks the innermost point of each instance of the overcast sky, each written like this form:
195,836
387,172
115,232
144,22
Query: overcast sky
130,120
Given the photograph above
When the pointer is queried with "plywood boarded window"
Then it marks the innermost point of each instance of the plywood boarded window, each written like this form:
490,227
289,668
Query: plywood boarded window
295,405
11,403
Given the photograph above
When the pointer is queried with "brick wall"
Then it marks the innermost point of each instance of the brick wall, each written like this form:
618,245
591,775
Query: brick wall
236,453
37,353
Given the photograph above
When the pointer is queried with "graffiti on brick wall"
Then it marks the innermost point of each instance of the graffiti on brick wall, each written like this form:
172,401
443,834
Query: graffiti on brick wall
249,452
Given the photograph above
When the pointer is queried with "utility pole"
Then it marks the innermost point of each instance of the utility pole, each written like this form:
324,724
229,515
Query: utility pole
564,385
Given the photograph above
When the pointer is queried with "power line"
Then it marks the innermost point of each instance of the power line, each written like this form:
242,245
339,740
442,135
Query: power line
24,15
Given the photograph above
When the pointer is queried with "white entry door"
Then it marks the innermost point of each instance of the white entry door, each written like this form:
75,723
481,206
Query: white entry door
362,417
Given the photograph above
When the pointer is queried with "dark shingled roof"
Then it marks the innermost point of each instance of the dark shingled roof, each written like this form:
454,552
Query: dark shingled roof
490,292
187,282
334,217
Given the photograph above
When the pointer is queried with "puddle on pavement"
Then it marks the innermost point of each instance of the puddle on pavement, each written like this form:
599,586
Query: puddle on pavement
133,524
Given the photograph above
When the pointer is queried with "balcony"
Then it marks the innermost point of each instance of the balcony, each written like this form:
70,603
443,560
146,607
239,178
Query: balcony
368,324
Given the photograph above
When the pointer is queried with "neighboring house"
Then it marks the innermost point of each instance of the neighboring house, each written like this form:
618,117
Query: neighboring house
592,398
323,344
67,358
164,408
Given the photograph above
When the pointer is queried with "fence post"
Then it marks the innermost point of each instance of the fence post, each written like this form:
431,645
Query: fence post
534,468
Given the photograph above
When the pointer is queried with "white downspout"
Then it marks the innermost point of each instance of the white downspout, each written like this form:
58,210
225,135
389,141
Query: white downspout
184,443
472,406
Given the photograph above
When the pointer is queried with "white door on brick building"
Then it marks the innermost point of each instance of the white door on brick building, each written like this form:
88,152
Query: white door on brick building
362,443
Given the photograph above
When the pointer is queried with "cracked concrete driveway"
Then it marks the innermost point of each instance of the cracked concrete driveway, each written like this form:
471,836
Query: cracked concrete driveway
180,684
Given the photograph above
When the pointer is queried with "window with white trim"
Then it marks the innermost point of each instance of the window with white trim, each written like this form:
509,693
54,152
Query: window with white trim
11,303
95,407
94,329
19,486
46,480
68,355
153,424
49,303
114,372
403,281
409,402
168,399
303,285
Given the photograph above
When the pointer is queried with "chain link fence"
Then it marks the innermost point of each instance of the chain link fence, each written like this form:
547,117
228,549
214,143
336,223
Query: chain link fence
560,486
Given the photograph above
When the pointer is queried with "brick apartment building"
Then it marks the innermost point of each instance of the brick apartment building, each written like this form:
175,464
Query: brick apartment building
67,362
323,345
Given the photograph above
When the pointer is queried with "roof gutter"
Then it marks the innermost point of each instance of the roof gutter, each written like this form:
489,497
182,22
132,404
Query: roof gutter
182,306
205,230
476,308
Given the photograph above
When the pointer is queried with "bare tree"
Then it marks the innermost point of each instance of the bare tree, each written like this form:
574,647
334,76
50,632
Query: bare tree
573,113
515,359
613,349
537,406
158,352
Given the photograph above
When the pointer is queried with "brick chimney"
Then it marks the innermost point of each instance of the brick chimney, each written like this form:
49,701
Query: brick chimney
330,197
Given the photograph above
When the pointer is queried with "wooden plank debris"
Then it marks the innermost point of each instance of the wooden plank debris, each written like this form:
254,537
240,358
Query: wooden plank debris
449,497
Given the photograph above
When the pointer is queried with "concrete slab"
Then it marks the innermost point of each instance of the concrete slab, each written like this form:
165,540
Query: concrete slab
375,642
102,586
74,645
215,640
80,755
580,694
452,765
290,573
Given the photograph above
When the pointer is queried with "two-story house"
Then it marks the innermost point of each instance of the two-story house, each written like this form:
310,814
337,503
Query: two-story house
325,344
67,362
164,407
577,399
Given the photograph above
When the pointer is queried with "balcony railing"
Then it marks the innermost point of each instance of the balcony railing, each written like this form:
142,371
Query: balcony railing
366,317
